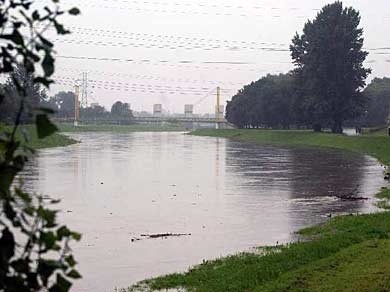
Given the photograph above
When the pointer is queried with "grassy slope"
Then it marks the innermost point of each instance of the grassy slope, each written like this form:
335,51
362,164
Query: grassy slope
55,140
120,128
349,253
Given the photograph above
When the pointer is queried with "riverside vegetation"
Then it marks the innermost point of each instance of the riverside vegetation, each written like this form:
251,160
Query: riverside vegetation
348,253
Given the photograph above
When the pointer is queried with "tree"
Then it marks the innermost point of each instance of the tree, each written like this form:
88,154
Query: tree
95,112
378,109
329,58
34,248
35,95
267,102
64,103
120,109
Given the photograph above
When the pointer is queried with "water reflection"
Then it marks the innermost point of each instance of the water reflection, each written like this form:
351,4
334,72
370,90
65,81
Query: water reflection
230,196
304,182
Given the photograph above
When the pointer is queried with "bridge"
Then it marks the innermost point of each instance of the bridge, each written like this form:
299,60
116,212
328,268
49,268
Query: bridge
189,120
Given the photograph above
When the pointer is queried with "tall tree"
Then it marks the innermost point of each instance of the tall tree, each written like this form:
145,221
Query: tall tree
121,109
264,103
378,109
329,58
64,102
33,96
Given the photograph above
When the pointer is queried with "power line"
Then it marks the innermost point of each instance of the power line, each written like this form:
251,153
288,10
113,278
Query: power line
169,46
206,65
162,37
149,41
147,77
201,4
135,89
94,83
173,10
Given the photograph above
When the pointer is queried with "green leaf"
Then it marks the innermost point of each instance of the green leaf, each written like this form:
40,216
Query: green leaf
46,42
49,216
15,37
74,274
62,285
70,260
35,15
45,81
46,110
7,174
26,197
60,28
48,64
74,11
48,239
46,268
7,245
63,232
76,236
44,126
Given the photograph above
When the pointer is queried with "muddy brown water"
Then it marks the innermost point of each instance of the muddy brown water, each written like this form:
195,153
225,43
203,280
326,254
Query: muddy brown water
229,196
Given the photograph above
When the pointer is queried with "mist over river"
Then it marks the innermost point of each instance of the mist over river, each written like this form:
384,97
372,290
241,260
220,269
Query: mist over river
225,195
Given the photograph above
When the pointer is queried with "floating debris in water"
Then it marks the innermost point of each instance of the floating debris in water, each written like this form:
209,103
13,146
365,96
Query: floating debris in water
160,235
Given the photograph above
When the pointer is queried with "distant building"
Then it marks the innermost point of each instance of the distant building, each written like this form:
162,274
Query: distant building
94,105
188,110
157,109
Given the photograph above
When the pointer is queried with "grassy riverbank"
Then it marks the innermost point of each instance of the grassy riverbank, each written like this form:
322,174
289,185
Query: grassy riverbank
55,140
348,253
121,128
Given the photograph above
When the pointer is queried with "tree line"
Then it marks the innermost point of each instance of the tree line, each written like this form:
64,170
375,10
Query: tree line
62,103
326,89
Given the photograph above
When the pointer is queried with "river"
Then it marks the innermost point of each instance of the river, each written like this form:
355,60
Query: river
226,195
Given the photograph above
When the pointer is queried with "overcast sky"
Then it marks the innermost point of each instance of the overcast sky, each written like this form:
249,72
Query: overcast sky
177,52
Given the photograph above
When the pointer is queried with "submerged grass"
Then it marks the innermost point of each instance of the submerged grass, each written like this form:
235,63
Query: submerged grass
348,253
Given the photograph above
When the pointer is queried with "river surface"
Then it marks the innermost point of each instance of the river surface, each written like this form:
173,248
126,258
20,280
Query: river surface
229,196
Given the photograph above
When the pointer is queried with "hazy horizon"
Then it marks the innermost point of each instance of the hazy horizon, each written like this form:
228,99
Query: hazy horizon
176,53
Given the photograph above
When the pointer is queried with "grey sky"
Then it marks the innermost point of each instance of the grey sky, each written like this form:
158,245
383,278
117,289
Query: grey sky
176,51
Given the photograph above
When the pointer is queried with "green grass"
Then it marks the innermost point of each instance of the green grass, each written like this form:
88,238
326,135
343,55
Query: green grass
121,128
55,140
384,199
348,253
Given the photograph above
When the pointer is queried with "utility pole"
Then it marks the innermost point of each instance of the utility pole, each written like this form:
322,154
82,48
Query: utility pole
76,105
84,92
217,120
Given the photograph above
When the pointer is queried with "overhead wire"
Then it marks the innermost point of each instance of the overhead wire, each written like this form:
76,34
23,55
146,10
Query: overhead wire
176,42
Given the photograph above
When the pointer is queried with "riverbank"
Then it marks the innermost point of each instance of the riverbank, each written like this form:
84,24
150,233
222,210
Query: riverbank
54,140
348,253
121,128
